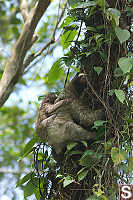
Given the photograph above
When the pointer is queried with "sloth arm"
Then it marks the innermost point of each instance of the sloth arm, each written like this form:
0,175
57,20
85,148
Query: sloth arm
86,117
53,107
49,110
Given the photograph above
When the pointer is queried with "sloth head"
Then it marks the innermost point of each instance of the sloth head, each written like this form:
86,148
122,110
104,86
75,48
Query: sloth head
50,98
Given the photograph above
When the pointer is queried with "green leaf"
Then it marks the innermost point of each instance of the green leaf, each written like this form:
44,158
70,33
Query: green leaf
28,148
41,97
102,4
115,15
118,155
98,123
59,176
98,69
26,178
84,143
68,37
37,193
125,64
55,72
118,72
130,164
111,92
29,189
67,21
75,153
72,3
82,174
122,34
89,157
71,145
97,191
120,95
67,181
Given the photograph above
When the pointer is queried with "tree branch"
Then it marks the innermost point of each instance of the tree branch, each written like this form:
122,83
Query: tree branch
31,58
24,9
15,68
12,171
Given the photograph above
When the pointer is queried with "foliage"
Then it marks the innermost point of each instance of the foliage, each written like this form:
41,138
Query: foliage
16,125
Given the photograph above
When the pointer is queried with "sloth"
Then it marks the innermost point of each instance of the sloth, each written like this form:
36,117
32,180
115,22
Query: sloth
45,113
65,118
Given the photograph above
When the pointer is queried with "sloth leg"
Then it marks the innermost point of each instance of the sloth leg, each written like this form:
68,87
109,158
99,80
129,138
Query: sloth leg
86,117
47,121
60,132
75,132
41,130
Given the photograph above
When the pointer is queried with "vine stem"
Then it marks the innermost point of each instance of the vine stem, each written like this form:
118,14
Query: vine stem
100,99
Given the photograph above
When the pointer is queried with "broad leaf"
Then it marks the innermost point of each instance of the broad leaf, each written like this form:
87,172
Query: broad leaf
90,157
28,148
98,69
55,72
29,189
115,15
68,37
98,123
37,193
120,95
118,72
125,64
122,34
67,21
67,181
118,155
26,178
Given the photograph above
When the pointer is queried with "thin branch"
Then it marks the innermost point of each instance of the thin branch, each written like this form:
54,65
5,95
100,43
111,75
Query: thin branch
110,116
12,171
15,68
32,57
59,20
24,9
44,55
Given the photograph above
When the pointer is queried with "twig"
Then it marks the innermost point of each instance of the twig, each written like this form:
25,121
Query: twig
12,171
100,99
44,55
30,59
24,9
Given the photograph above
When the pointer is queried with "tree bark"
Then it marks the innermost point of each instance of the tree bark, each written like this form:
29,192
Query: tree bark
15,66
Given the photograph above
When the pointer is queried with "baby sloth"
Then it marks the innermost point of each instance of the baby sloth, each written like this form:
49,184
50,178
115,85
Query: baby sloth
45,114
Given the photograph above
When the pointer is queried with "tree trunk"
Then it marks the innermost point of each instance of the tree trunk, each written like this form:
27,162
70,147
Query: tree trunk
95,91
